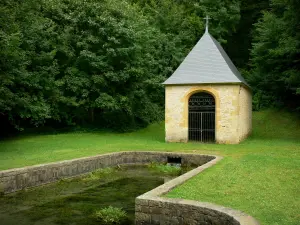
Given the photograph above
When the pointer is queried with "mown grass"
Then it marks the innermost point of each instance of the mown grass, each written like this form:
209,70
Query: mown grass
260,176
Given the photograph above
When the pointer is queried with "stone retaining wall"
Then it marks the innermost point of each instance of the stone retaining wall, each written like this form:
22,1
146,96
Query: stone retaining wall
178,212
151,209
17,179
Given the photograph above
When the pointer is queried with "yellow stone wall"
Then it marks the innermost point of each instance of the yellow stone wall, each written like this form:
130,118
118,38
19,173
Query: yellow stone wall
245,114
233,111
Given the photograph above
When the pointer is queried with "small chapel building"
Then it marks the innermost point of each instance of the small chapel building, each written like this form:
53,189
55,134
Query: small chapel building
207,99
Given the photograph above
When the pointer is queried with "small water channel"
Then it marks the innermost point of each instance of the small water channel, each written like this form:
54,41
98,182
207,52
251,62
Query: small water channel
74,201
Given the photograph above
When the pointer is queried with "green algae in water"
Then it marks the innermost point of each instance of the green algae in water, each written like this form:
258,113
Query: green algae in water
74,201
165,169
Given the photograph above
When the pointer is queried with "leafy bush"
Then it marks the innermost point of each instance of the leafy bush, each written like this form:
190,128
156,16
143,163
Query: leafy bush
165,168
99,173
111,215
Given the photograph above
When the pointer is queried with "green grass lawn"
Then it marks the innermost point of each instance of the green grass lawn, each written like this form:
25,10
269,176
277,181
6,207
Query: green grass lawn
260,176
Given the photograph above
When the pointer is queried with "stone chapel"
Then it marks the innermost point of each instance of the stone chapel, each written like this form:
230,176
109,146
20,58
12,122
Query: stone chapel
206,98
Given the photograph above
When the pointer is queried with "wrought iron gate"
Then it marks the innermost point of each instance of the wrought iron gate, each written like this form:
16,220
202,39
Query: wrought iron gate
202,117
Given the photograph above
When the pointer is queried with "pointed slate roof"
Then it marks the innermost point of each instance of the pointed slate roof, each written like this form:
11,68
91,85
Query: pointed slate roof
206,63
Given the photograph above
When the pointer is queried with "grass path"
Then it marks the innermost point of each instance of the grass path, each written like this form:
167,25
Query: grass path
260,176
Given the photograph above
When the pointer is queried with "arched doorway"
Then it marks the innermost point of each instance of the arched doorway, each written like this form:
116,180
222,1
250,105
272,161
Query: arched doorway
202,117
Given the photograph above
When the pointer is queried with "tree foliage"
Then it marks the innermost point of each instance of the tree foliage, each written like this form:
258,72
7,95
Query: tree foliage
239,41
72,60
97,62
79,62
275,56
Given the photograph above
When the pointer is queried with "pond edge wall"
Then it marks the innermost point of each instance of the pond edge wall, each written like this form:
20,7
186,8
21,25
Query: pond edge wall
151,209
20,178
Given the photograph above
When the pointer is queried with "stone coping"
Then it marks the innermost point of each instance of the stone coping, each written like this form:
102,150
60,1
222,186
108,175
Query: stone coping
151,208
20,178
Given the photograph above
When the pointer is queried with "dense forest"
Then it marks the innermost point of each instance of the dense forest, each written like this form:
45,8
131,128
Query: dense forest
101,63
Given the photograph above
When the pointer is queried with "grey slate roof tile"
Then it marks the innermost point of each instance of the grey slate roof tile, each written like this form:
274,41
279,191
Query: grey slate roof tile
206,63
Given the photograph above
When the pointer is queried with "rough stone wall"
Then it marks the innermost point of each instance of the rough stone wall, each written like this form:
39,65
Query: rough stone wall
245,113
153,209
150,209
17,179
165,211
228,120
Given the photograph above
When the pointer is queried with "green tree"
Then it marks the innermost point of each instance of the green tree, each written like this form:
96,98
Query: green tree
184,19
275,55
239,42
26,63
75,62
110,62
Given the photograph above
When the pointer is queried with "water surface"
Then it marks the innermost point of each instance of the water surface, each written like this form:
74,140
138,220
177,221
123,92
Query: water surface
74,201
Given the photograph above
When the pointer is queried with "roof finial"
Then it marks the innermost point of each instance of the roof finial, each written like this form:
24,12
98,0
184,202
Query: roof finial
206,18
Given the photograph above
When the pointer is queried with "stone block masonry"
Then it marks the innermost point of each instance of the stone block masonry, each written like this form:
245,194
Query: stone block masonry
233,119
152,209
17,179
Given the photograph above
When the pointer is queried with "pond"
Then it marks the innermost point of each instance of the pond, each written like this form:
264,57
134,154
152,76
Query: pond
75,201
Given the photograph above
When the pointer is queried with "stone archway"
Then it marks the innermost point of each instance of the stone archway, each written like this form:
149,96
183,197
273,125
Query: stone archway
201,117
